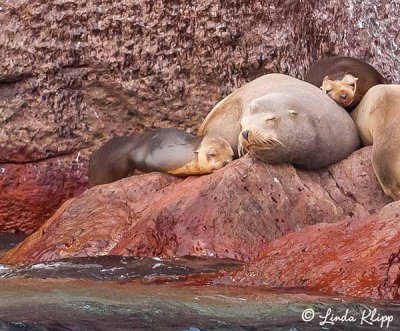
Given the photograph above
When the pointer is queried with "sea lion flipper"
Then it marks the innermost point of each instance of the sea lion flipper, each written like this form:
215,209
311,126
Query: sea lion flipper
224,120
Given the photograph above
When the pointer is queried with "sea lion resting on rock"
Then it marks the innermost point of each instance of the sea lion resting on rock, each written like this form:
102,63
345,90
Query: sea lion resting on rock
297,123
224,118
378,120
344,79
166,150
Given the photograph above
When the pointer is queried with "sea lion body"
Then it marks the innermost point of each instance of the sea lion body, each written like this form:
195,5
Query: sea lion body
165,150
345,79
224,118
378,120
297,123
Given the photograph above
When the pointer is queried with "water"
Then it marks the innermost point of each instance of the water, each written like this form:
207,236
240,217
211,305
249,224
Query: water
8,241
121,293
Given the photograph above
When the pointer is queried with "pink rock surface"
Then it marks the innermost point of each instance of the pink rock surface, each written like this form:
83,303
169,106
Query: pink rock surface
232,213
354,258
31,192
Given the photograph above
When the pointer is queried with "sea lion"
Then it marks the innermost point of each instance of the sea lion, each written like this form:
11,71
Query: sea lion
378,121
344,79
224,118
166,150
297,123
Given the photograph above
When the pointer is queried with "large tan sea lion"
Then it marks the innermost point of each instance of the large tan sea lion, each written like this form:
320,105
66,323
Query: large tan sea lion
378,120
344,79
297,123
224,118
166,150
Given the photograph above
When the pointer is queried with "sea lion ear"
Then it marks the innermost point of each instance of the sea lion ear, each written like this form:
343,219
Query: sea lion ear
324,80
292,112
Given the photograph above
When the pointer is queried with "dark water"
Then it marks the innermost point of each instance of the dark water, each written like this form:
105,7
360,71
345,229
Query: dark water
120,293
121,269
8,241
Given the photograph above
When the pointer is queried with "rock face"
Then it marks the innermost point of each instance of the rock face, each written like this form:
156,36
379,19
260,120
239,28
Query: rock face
232,213
75,73
354,258
31,192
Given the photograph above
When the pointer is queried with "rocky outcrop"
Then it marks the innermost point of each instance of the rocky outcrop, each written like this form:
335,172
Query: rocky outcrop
232,213
31,192
75,73
353,258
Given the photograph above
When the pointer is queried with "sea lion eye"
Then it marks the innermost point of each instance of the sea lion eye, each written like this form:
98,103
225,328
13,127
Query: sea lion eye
292,112
270,119
327,87
352,84
212,153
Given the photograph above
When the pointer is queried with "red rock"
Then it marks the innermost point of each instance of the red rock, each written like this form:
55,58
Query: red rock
31,192
232,213
354,258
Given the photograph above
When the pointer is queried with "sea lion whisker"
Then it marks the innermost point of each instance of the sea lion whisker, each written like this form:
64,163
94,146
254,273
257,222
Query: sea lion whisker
240,149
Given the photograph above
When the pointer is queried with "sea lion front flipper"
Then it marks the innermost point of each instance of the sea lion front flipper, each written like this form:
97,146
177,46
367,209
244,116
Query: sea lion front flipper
224,121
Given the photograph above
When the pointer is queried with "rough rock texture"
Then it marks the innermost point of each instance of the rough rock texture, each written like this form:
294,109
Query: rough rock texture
232,213
30,193
354,258
74,73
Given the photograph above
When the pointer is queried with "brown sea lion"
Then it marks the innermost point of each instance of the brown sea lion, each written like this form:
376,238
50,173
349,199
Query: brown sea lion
378,121
165,150
344,79
224,118
297,123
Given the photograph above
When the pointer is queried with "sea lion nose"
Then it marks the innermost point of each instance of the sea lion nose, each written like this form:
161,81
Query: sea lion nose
343,96
245,134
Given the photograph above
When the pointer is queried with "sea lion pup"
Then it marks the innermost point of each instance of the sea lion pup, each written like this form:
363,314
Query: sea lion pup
344,79
378,121
224,118
298,124
166,150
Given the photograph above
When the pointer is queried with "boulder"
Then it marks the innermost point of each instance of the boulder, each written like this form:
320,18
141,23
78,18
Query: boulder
353,258
232,213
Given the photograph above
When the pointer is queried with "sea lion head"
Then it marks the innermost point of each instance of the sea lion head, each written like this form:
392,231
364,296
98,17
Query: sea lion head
213,153
274,130
342,90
